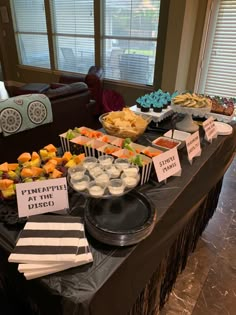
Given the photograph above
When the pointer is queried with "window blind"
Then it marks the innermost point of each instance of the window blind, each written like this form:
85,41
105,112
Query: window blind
31,32
221,70
73,34
130,30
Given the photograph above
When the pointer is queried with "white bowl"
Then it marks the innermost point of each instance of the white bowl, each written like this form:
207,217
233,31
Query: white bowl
159,145
177,135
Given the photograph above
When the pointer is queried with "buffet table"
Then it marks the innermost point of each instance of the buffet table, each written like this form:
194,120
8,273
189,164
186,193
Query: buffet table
125,280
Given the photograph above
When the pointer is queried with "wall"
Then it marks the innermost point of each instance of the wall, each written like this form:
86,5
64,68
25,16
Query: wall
179,43
185,27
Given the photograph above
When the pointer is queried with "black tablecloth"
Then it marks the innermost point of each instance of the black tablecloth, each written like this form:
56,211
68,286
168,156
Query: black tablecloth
112,283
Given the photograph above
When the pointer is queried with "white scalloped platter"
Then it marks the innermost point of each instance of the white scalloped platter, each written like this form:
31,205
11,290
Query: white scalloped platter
222,118
199,112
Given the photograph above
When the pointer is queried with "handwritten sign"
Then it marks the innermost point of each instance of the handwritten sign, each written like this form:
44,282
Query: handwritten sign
167,164
210,129
42,196
193,146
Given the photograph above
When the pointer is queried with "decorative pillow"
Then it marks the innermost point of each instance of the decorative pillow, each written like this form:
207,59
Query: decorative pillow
3,92
24,112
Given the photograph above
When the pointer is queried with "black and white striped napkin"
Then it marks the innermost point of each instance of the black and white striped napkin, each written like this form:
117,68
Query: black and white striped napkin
51,243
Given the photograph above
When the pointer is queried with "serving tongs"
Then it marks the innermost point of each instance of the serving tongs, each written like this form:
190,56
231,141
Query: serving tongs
173,124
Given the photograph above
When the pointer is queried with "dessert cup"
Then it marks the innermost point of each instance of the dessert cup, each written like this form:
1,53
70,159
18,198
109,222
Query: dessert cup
113,171
76,172
122,163
96,190
81,183
90,162
116,187
95,171
102,179
105,160
129,181
131,171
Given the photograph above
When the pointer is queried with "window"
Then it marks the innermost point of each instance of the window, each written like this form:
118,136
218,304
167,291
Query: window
129,39
128,36
73,34
217,71
31,32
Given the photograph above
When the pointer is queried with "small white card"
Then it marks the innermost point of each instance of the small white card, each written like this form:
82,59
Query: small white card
193,146
42,196
167,164
210,129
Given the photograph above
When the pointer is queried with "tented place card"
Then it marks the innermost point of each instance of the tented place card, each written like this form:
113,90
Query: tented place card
42,196
167,164
193,146
210,129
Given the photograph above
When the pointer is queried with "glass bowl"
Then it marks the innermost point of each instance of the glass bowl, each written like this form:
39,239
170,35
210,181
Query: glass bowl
133,132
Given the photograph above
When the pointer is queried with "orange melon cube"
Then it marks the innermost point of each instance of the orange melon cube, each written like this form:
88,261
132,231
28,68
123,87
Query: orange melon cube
67,156
26,172
12,166
58,159
49,167
79,158
35,156
56,174
50,148
4,167
5,183
36,171
24,157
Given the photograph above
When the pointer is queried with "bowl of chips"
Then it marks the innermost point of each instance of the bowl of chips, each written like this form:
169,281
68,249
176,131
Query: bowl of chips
125,123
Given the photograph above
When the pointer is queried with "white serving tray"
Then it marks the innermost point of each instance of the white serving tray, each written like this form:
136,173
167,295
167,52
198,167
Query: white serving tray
156,117
220,117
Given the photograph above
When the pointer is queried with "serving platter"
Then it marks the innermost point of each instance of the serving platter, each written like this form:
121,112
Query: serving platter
220,117
156,117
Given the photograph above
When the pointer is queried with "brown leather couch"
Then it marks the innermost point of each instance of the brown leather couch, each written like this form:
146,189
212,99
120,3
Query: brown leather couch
72,106
94,80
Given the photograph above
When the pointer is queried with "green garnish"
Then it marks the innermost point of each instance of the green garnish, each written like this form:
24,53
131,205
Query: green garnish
137,160
70,134
127,144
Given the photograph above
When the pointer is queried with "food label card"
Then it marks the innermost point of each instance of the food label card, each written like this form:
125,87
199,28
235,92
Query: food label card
42,196
193,146
167,164
210,129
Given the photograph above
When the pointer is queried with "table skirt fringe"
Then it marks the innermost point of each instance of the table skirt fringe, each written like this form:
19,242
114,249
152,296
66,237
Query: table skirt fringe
156,292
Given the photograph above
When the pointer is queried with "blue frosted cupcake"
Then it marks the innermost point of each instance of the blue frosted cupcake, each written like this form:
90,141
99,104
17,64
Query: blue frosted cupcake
145,107
157,107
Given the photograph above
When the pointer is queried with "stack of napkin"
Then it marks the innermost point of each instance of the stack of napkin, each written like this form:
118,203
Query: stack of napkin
50,243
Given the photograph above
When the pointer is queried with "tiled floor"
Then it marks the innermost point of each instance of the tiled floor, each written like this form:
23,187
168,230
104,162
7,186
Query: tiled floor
207,286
